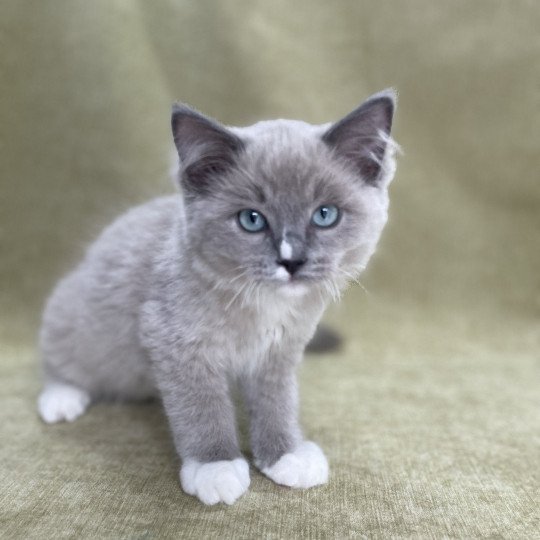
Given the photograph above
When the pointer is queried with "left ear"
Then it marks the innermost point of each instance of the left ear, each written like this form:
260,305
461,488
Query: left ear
362,136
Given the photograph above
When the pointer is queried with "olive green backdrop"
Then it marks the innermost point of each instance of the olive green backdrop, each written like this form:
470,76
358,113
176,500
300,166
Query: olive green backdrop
430,414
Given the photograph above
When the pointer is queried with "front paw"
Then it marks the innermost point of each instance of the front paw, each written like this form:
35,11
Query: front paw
217,481
305,467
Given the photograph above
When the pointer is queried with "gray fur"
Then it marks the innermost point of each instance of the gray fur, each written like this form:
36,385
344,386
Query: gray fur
175,299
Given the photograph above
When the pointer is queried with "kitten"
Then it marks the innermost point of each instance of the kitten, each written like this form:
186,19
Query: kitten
185,295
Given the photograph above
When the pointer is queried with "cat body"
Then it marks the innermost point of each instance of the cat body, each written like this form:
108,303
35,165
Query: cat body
188,294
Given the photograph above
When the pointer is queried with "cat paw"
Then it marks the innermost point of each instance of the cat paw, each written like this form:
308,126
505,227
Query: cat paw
218,481
59,402
305,467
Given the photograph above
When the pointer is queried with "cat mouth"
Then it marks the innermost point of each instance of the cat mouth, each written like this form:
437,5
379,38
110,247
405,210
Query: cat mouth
279,279
294,284
283,276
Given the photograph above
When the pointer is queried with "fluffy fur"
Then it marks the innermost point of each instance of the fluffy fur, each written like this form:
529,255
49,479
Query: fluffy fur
175,299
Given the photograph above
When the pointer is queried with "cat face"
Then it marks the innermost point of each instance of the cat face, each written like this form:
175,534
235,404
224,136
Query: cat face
282,203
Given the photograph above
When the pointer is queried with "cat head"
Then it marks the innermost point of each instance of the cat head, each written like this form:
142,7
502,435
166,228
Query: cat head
285,204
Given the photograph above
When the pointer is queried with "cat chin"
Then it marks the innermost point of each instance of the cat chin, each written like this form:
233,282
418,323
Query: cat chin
293,289
288,286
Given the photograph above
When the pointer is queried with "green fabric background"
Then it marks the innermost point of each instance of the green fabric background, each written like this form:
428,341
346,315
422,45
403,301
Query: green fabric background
430,415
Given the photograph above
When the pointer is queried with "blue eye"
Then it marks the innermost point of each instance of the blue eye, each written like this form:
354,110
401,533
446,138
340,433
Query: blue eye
326,215
251,220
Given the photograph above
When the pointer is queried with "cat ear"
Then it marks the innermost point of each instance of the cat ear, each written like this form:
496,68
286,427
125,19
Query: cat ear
362,136
205,147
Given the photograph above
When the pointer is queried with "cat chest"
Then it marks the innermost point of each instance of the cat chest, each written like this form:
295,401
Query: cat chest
252,341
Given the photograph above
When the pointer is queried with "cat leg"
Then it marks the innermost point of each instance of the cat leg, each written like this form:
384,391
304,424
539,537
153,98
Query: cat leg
60,402
201,415
280,452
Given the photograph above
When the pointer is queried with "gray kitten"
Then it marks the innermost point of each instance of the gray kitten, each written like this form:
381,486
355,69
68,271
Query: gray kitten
185,295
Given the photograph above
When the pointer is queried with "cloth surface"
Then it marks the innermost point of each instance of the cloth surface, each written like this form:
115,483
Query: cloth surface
430,412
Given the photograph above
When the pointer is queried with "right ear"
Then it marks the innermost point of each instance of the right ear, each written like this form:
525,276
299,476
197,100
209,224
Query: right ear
205,147
362,136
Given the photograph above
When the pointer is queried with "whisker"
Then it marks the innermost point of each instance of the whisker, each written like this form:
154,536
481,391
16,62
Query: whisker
329,285
216,285
337,291
323,299
258,289
247,296
238,292
355,279
239,276
222,283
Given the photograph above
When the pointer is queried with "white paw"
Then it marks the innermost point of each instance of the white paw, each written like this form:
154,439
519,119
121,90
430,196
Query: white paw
218,481
303,468
59,402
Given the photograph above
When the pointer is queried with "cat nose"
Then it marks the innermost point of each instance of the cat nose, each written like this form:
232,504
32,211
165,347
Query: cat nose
291,265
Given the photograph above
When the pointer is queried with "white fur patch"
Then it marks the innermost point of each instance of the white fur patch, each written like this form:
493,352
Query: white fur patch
293,289
282,274
285,250
218,481
303,468
59,402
